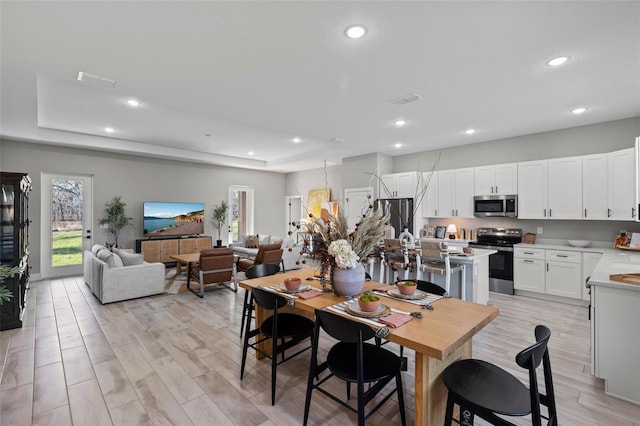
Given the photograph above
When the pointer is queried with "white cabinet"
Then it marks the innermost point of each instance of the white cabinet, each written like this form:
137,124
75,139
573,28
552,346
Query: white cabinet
430,200
398,185
454,194
608,186
622,186
529,269
554,272
564,273
564,183
532,190
550,189
589,262
499,179
595,187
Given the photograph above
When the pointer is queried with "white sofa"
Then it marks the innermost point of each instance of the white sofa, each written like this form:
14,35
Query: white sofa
113,277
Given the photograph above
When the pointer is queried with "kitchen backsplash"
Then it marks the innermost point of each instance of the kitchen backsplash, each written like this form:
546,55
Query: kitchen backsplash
596,230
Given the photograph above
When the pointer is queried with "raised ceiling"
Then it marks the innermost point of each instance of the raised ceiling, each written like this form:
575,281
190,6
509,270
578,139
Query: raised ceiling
217,80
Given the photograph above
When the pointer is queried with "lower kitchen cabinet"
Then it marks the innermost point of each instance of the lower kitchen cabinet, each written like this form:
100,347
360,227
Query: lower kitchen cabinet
589,262
553,272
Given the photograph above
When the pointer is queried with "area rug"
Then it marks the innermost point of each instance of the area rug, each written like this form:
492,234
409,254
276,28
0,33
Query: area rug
174,284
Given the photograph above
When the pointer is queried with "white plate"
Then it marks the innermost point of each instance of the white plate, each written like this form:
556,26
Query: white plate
302,288
419,294
354,308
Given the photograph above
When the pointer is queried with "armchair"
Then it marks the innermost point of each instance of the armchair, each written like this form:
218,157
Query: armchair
267,253
215,266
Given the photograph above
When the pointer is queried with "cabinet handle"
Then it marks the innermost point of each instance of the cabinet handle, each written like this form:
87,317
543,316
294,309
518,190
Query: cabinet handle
561,255
436,212
496,189
528,252
585,213
528,261
633,212
456,212
545,212
608,212
547,267
549,212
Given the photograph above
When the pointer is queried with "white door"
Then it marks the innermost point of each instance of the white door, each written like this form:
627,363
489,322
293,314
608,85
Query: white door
446,193
505,179
294,213
66,223
565,188
357,202
430,199
240,212
532,190
464,193
595,187
622,188
483,180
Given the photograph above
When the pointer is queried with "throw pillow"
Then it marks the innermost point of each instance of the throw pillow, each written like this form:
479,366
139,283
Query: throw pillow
265,239
253,242
96,248
129,259
110,259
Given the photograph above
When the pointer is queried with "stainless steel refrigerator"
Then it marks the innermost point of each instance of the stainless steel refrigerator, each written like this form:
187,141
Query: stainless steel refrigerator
400,211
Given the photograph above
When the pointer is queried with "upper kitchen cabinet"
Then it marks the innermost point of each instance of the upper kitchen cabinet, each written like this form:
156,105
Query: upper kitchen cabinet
532,190
622,185
455,193
550,189
430,199
500,179
398,185
595,187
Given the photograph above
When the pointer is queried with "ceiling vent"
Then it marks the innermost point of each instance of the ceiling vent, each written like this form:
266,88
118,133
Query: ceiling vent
411,97
96,80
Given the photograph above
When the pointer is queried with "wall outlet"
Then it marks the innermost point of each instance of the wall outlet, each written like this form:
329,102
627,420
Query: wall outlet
539,230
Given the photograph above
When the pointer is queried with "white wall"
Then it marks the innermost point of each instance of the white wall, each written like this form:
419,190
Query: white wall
139,179
299,183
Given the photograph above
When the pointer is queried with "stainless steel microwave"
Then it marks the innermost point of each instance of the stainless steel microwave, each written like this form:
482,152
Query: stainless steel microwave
495,206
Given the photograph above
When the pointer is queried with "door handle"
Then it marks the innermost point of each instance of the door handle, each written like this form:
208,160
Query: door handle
608,212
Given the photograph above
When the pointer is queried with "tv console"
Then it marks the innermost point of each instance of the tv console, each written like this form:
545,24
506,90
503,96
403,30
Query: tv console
160,249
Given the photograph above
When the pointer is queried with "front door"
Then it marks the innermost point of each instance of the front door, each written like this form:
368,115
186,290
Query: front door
66,223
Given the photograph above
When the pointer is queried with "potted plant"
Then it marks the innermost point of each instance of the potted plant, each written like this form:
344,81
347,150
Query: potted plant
115,217
219,218
368,302
7,272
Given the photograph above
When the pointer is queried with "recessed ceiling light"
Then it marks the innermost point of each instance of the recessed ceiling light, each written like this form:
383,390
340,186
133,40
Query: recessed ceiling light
296,140
578,110
133,102
470,131
109,129
250,153
397,145
355,31
556,62
400,122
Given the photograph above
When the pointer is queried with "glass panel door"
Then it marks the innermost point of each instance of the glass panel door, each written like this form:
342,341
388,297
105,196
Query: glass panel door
240,212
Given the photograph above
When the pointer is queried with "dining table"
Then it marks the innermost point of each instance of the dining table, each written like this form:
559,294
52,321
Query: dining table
442,336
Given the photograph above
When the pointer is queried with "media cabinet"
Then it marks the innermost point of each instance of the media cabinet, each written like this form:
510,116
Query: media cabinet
160,249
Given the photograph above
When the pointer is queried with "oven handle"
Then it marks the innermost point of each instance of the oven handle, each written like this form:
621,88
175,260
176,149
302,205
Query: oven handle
497,248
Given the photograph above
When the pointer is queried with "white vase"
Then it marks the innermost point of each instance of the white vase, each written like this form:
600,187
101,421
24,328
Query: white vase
348,282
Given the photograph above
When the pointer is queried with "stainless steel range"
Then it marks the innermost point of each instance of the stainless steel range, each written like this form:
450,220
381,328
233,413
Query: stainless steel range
500,263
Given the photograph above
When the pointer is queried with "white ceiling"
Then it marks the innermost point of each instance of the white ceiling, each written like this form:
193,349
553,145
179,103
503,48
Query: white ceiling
254,75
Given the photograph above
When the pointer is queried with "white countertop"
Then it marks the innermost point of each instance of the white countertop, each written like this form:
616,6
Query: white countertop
478,253
616,262
593,248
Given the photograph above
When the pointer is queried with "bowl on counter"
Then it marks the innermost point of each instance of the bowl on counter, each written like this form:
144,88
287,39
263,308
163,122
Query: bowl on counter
579,243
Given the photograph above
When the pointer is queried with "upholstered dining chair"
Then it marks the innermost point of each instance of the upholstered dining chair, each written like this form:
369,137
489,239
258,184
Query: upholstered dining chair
354,361
267,253
215,266
255,271
486,390
284,330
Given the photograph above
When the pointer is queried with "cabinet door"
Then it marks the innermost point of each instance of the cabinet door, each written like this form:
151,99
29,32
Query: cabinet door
464,193
405,185
589,262
622,190
483,180
388,187
505,179
563,279
446,193
528,274
532,190
152,251
169,248
595,187
430,200
565,188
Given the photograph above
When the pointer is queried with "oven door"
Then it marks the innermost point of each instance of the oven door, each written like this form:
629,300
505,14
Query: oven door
500,268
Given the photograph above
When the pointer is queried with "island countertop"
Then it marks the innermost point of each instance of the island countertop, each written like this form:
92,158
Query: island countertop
616,262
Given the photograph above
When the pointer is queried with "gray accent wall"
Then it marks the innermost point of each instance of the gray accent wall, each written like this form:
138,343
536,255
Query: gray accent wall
138,179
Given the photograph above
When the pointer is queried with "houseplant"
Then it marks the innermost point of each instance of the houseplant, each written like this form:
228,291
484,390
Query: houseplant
7,272
341,253
115,217
219,218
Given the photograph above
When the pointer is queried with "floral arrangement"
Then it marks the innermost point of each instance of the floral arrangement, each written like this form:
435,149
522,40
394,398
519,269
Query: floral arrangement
336,246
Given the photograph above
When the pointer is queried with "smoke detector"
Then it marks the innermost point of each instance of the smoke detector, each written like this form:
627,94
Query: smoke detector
411,97
96,80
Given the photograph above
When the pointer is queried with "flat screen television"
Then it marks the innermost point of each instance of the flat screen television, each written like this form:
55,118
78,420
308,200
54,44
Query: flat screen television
172,219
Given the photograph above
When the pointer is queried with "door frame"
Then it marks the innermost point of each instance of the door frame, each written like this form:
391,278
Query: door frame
250,209
46,269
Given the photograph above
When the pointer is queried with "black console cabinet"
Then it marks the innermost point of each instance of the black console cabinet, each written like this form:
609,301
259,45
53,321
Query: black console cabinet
14,244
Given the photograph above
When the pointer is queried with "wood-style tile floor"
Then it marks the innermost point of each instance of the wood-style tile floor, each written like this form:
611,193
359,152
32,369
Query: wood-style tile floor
175,359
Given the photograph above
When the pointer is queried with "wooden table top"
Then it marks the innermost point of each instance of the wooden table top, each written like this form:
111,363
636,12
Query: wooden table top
438,334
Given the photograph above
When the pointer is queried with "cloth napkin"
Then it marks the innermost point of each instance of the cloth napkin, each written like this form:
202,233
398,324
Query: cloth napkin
310,293
395,320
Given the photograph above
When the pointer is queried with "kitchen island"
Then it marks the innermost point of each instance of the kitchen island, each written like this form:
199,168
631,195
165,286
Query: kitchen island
615,325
